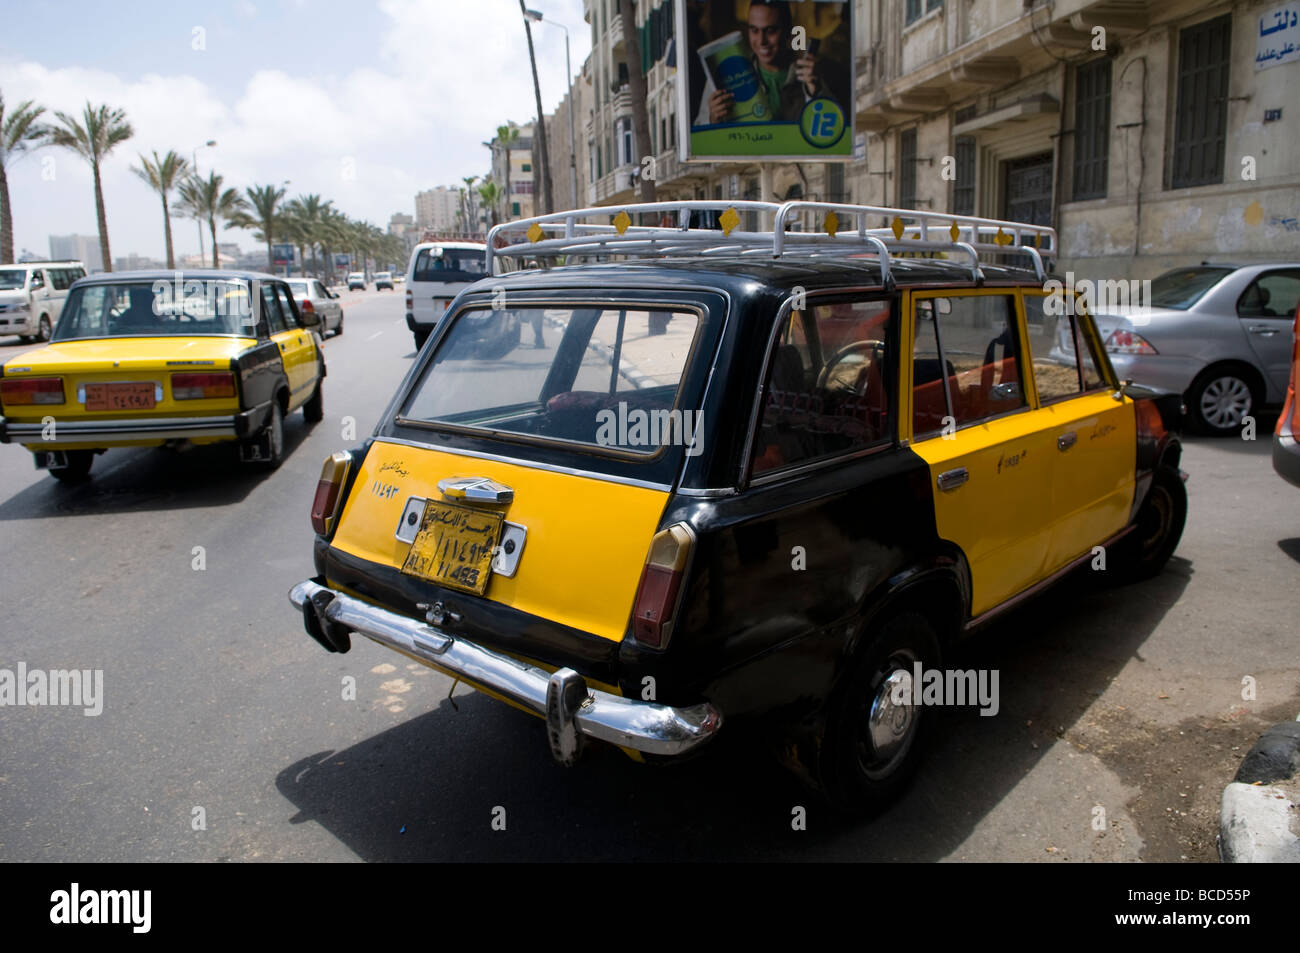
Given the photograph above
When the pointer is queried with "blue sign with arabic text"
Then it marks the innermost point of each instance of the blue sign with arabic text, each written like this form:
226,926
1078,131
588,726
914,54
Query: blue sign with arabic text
1278,39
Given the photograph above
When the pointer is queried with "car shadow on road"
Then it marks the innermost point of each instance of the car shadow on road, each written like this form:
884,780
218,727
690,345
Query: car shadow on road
136,479
1291,547
430,788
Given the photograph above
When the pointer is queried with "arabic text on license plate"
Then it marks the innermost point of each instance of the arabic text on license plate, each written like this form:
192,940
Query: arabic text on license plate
454,546
133,396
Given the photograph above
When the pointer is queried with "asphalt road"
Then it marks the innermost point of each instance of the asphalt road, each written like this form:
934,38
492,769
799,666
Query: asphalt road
1122,712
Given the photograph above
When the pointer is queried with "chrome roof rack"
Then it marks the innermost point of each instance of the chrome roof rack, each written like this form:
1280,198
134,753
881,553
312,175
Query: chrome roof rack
845,230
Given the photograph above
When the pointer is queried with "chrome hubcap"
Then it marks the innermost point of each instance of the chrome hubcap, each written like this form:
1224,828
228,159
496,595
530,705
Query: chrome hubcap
889,721
1225,401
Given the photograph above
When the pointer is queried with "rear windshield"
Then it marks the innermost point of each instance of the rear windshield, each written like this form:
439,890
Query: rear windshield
1182,288
151,309
300,287
605,378
449,264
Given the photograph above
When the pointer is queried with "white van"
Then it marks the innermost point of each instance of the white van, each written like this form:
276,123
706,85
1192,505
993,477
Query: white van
438,271
32,295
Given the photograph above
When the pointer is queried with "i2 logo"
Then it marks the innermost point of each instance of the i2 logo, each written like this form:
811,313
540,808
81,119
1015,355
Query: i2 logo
822,123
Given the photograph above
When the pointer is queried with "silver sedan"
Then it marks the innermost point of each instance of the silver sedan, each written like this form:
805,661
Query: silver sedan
310,294
1220,334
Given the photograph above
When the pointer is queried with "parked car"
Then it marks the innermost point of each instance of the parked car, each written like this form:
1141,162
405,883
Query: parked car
1220,334
153,358
312,297
1286,449
752,482
357,281
383,279
32,295
437,273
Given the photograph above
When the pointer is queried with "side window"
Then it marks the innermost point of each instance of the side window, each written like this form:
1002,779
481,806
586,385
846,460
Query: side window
1053,352
1272,295
979,349
275,321
288,309
826,391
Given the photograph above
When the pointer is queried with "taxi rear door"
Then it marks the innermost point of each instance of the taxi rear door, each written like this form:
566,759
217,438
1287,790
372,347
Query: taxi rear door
297,344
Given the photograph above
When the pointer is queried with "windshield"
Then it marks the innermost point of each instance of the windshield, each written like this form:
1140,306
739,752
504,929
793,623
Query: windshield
450,264
159,308
1182,288
12,279
599,377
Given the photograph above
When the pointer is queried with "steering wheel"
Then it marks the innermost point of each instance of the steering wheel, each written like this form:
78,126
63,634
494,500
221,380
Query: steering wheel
841,356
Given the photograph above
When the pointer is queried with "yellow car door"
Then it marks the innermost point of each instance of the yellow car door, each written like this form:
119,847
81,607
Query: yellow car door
297,344
973,423
1093,434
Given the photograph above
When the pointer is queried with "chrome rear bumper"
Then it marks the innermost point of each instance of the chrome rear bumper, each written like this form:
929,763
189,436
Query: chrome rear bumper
87,431
571,709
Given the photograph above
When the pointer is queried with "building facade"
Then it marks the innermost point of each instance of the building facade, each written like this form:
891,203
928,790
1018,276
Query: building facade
82,248
1150,134
438,209
518,201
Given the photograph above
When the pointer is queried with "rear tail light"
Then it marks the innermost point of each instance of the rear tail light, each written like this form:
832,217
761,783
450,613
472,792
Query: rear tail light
661,581
200,386
410,301
306,307
1120,341
31,390
329,492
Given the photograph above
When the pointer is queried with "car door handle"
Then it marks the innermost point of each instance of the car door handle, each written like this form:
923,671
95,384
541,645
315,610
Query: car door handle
951,479
282,345
1263,329
1066,440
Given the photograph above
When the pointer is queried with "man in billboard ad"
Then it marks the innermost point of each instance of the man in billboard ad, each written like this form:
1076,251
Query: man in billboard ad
767,78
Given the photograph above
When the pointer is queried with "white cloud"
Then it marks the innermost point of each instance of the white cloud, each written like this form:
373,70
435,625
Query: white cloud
405,117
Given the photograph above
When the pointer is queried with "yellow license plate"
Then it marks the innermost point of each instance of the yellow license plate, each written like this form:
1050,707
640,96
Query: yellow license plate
454,546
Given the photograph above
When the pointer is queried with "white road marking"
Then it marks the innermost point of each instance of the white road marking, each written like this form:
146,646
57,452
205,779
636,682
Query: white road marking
375,335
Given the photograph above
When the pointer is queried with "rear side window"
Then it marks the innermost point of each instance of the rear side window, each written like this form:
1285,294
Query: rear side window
1272,295
966,360
826,392
449,264
1183,287
275,319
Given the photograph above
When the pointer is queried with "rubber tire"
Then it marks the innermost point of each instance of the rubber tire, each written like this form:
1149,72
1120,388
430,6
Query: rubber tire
421,335
1203,381
840,774
78,468
313,411
339,330
1160,520
46,328
276,426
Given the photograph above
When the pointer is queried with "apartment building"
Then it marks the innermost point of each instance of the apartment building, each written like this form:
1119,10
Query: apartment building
518,201
438,209
1150,134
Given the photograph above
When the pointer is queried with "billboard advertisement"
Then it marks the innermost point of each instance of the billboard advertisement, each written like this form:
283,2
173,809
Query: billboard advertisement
765,79
282,253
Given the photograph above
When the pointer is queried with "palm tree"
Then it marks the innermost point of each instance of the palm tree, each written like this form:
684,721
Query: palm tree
162,174
260,213
490,192
305,216
468,195
205,200
19,131
100,130
507,135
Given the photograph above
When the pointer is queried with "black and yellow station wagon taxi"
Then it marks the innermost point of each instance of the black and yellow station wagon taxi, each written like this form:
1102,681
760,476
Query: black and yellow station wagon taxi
747,475
160,358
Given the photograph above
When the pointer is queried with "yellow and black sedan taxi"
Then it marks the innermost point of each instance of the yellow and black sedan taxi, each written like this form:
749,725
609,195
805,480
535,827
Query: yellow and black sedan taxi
766,476
148,359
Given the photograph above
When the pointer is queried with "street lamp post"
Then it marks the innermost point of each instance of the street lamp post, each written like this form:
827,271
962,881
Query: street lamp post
199,221
536,16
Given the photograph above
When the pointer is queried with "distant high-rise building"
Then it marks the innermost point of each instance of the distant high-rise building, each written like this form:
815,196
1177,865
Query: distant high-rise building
436,209
82,248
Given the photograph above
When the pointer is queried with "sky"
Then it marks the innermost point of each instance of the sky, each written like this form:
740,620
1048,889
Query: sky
363,103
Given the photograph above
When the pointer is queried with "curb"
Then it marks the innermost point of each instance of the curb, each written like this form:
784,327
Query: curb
1256,815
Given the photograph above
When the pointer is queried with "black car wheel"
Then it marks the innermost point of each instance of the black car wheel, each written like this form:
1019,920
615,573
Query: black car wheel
1157,529
270,442
421,335
77,467
47,328
1220,398
872,741
339,329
